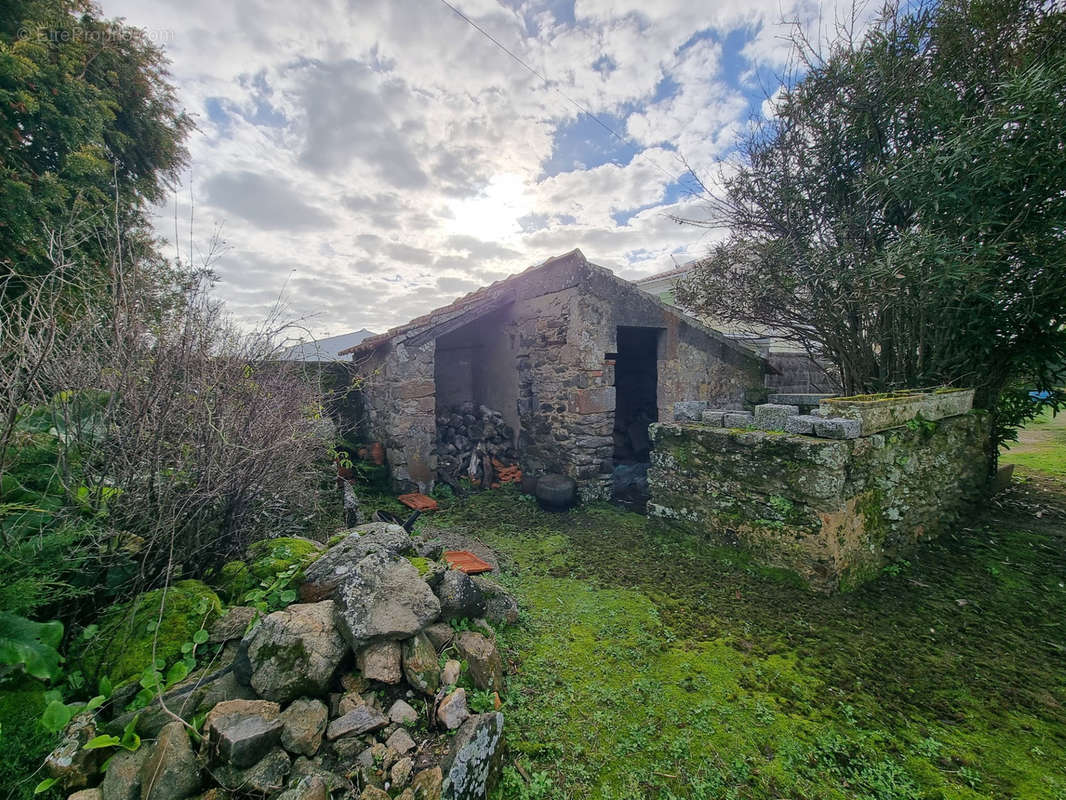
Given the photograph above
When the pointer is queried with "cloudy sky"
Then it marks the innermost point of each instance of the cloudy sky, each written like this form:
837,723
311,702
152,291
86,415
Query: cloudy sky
374,159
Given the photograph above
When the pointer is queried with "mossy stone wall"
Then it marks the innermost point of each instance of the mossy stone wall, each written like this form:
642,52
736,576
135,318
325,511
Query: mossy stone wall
832,511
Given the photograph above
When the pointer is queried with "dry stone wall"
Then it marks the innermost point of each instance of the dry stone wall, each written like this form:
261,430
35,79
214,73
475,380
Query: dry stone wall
833,511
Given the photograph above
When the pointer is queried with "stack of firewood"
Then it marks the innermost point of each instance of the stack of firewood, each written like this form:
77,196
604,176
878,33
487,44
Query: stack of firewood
474,442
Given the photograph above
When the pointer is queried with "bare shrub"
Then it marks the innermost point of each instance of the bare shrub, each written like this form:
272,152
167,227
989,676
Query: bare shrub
180,435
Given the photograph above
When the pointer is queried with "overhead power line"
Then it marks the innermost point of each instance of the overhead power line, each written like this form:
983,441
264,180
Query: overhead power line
581,108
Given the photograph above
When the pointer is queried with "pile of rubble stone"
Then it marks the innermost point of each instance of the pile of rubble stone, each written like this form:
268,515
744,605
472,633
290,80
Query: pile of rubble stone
475,442
351,693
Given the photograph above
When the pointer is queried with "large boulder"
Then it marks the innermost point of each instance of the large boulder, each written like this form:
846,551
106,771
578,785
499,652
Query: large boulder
360,720
122,781
309,787
500,605
427,784
295,652
475,760
304,724
383,597
452,711
380,661
459,596
241,732
327,573
420,665
482,659
171,772
266,777
193,696
234,624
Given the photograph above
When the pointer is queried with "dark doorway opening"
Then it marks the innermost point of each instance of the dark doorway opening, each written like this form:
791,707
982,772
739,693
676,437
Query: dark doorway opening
636,373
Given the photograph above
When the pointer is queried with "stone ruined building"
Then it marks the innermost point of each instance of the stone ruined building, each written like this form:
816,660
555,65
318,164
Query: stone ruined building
567,352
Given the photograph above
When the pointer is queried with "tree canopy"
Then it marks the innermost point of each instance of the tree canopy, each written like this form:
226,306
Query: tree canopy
90,130
903,214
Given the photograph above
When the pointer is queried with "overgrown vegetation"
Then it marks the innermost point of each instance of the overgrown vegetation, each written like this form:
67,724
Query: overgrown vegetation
145,439
650,664
902,213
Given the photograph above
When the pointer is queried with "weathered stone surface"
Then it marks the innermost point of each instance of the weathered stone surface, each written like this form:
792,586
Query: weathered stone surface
384,597
440,635
323,577
500,605
87,794
374,793
428,547
836,428
420,664
400,741
69,764
295,651
401,713
831,511
772,416
427,784
309,787
363,719
595,400
400,773
380,661
304,767
240,732
737,419
689,410
712,417
452,711
193,696
482,659
122,781
233,624
449,675
473,765
459,596
349,701
264,778
303,726
802,424
171,772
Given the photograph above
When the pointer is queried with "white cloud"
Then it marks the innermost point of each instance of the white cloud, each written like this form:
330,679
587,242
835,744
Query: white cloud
376,160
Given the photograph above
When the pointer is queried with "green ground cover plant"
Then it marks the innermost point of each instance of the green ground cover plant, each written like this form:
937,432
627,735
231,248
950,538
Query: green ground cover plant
651,664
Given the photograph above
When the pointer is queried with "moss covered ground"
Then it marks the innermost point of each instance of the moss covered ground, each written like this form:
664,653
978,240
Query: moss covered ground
650,664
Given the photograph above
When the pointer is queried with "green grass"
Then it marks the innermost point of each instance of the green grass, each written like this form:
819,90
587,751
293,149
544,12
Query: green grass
651,664
1041,446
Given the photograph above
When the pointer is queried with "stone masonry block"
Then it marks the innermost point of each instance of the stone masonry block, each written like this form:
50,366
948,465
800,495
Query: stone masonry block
596,400
802,424
838,428
737,419
772,416
689,410
713,418
414,389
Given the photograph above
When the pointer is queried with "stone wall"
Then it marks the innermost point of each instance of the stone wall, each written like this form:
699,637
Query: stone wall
546,346
831,511
399,394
